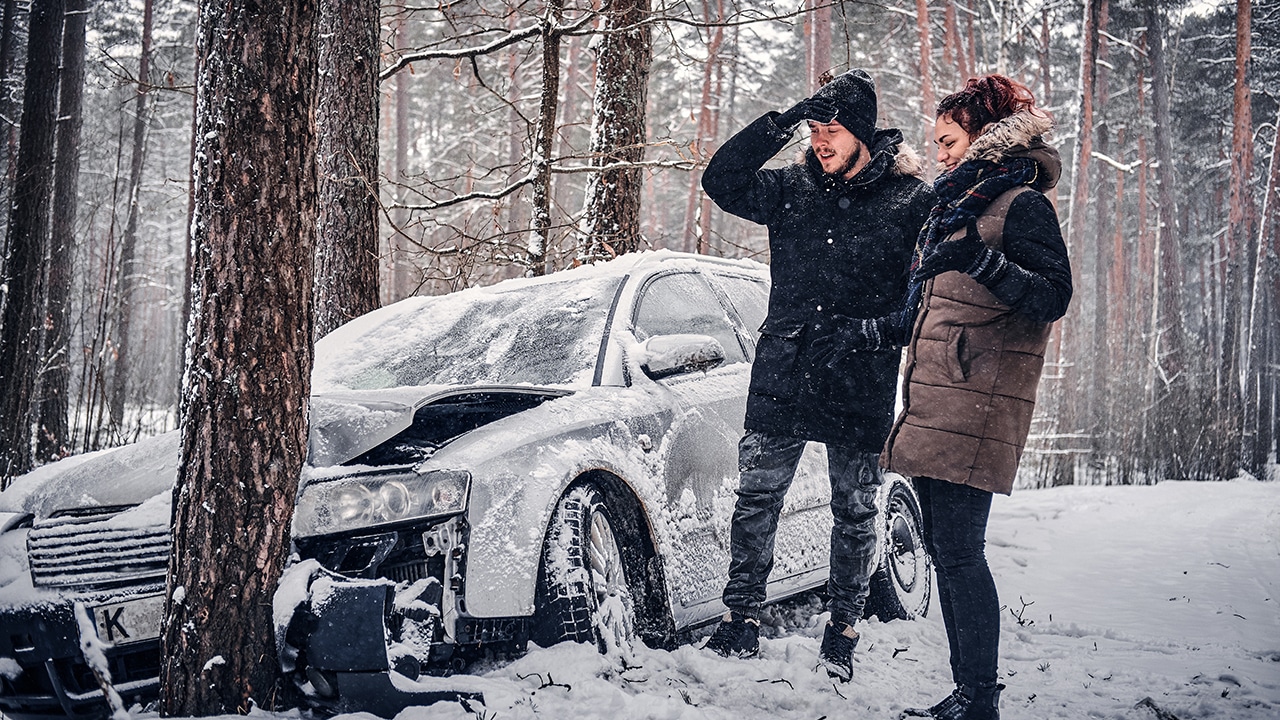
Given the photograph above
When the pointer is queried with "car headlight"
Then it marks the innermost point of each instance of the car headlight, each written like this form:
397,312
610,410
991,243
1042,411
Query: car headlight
361,501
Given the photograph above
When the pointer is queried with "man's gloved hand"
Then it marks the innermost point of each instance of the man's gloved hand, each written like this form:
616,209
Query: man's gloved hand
847,335
968,255
815,109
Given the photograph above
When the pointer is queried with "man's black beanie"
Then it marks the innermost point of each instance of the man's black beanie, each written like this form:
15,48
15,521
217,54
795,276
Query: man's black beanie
854,93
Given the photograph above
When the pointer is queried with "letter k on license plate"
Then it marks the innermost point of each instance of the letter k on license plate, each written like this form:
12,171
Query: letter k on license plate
131,620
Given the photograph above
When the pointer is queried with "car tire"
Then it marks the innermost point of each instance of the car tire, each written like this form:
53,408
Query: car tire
583,591
902,584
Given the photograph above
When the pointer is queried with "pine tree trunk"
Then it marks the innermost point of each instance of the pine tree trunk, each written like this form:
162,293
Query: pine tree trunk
22,318
929,103
346,276
1046,74
244,403
9,108
817,39
1231,408
970,68
53,434
544,140
952,53
1077,327
128,277
1099,371
401,283
1171,401
690,240
611,211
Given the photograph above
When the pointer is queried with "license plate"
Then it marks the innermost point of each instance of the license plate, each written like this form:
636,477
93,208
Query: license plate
130,621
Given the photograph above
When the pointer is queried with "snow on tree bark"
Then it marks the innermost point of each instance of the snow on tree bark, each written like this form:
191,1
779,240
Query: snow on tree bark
611,212
21,320
540,223
249,354
346,276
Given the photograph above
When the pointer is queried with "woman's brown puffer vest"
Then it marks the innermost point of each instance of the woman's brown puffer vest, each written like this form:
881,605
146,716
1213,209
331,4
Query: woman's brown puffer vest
970,379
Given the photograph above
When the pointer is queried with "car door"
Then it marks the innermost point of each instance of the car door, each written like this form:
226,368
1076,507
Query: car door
802,545
699,452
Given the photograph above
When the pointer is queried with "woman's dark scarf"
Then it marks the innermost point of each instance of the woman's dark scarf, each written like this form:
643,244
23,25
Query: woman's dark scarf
963,194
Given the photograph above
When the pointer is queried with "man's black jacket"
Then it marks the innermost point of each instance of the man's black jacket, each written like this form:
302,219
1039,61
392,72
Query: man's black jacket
837,247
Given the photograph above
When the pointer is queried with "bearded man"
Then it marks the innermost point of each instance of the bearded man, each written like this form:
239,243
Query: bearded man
842,226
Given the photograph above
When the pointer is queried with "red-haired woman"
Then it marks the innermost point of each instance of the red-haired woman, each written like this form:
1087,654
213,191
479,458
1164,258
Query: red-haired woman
991,275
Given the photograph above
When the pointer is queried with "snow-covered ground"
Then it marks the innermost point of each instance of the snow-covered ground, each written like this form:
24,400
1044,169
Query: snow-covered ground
1122,602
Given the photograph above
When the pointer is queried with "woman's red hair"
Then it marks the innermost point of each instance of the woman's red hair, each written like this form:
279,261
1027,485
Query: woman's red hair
985,100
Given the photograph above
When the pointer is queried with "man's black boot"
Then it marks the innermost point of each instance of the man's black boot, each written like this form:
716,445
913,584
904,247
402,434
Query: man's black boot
736,636
836,654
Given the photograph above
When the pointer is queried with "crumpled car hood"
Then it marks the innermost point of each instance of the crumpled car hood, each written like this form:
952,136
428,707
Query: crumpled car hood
343,426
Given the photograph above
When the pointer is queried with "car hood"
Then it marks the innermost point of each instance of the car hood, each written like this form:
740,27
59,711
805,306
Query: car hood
346,425
343,426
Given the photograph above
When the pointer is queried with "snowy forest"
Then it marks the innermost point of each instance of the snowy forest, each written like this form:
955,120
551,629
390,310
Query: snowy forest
459,143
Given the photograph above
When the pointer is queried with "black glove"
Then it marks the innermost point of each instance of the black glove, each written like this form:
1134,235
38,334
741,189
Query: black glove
816,109
847,336
968,255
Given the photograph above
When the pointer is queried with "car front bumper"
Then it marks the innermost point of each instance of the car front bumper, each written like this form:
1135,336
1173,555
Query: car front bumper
43,673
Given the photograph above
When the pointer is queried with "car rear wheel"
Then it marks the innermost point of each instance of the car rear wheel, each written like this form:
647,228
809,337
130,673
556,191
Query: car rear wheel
583,594
902,584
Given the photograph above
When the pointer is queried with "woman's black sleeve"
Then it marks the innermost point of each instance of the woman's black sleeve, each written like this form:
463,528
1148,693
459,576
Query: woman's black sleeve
1037,282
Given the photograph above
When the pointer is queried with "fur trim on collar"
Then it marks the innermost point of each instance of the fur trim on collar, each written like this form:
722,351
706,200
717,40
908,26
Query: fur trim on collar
908,162
1017,130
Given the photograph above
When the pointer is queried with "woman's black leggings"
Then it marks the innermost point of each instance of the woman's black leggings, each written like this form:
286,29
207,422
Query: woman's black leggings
955,528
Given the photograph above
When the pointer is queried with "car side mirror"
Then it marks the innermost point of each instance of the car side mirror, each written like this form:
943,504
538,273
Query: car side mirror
666,355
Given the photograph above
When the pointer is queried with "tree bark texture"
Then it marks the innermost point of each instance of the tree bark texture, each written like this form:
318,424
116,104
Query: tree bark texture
690,238
346,278
818,40
249,354
611,211
929,103
401,282
1168,444
129,272
1232,394
53,433
23,302
8,58
544,139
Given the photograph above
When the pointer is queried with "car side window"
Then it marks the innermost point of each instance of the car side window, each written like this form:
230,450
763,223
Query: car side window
749,298
682,303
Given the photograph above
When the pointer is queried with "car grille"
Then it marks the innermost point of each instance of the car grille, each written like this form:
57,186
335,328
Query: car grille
89,551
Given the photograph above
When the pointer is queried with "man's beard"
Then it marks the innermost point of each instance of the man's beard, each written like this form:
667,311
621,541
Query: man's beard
850,165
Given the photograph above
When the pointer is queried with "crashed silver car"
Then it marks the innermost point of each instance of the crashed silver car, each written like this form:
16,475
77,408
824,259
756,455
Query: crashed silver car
542,460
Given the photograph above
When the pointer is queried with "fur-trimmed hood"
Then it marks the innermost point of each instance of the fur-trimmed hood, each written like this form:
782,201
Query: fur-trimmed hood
1019,135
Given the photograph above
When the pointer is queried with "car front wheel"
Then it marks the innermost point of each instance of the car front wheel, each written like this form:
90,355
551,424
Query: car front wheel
583,593
902,584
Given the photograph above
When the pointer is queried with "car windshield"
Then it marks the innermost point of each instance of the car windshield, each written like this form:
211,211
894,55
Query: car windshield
527,332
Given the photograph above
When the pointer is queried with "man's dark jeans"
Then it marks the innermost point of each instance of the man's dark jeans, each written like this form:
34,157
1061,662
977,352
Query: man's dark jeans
955,529
767,464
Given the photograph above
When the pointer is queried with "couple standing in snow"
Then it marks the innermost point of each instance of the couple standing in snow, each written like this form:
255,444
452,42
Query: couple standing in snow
867,258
